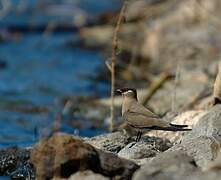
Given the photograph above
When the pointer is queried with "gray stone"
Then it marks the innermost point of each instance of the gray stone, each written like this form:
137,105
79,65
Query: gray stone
145,148
211,175
216,164
208,125
202,149
166,166
112,142
87,175
115,167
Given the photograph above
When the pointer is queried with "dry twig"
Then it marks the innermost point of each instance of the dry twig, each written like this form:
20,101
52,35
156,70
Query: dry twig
114,59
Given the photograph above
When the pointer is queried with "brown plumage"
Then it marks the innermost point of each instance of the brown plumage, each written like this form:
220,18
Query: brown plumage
141,118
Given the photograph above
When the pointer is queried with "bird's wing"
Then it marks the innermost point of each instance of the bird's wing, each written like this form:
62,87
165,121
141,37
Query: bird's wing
142,121
140,109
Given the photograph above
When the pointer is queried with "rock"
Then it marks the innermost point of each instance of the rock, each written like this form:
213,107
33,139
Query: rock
186,14
205,103
208,125
198,175
87,175
202,149
211,175
14,162
145,148
216,164
112,142
187,158
62,155
115,167
203,142
212,171
167,166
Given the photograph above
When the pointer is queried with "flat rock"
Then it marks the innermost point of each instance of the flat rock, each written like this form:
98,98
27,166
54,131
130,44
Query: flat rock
145,148
63,155
112,142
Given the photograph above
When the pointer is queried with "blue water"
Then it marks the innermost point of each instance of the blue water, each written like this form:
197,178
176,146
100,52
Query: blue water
41,70
35,14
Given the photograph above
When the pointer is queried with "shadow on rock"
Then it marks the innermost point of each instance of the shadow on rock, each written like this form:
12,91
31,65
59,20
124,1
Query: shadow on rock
62,155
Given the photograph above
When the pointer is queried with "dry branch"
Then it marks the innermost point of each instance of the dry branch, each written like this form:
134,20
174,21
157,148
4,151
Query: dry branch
114,59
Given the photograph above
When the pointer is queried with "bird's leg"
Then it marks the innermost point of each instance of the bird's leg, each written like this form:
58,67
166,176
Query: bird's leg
140,134
137,136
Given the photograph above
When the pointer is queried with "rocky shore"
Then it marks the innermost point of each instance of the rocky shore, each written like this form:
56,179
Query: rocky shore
195,154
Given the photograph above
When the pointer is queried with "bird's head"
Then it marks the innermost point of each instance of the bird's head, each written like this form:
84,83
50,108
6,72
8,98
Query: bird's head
128,92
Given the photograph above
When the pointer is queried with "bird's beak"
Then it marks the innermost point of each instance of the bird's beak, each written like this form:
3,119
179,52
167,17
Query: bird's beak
118,91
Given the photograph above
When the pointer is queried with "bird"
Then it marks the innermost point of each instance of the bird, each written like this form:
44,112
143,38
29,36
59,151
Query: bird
142,119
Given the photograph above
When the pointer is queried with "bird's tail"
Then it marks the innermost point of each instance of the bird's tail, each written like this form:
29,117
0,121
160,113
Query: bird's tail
178,125
170,128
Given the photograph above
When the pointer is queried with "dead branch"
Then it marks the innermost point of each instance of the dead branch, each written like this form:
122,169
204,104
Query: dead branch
114,59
